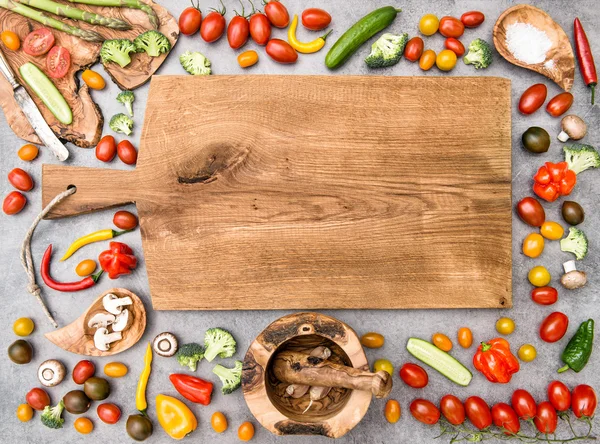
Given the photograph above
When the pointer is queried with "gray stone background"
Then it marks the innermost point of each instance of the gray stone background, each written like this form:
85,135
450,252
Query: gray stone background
397,326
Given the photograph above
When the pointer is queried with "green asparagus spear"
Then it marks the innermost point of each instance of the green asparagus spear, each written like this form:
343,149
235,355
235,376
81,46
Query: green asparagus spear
44,19
134,4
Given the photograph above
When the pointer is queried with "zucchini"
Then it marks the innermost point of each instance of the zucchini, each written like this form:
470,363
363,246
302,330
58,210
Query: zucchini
439,360
43,87
358,34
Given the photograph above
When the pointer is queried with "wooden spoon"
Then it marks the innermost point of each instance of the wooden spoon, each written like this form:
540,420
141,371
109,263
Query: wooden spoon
563,71
78,338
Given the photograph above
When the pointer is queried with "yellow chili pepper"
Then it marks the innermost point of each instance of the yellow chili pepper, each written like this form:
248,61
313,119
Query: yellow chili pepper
140,394
96,236
304,47
175,417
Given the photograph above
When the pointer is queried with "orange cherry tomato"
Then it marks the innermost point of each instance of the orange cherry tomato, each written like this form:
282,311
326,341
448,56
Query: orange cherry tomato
442,342
85,267
24,412
392,411
427,60
115,369
465,337
218,421
83,425
451,27
372,340
246,431
414,49
552,230
28,152
560,104
10,40
533,245
247,59
93,79
455,46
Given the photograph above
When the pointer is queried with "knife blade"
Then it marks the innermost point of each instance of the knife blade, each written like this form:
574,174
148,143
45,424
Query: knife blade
32,113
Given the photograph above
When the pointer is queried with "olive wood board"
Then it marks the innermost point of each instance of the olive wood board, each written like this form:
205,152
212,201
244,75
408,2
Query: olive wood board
86,129
314,192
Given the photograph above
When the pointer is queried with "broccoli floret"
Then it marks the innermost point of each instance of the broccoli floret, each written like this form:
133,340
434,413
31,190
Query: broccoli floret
126,98
195,63
580,157
190,354
117,50
52,416
231,378
387,50
480,54
576,242
152,42
121,123
218,342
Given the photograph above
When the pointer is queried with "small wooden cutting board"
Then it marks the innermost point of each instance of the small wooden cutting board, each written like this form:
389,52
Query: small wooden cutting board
310,192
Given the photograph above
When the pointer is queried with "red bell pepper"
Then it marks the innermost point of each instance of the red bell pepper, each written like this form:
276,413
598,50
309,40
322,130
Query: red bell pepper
554,180
117,260
494,359
192,388
86,282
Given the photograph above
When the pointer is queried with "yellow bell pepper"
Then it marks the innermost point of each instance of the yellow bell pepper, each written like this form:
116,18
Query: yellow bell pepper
140,394
175,417
304,47
96,236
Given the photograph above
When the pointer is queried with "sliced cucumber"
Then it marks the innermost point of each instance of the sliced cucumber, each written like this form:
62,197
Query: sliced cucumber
43,87
439,360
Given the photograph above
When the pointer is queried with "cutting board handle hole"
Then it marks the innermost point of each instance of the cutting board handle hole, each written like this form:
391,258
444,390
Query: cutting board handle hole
70,187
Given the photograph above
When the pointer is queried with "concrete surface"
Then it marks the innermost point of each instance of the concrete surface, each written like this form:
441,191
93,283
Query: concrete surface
397,326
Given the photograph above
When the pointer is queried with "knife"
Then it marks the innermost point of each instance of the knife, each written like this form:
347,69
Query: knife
32,113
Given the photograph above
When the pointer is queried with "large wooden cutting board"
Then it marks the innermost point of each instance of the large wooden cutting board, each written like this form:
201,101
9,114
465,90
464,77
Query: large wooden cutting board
302,192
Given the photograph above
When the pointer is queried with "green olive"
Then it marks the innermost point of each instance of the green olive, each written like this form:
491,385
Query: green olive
139,427
96,388
572,212
536,140
76,402
20,352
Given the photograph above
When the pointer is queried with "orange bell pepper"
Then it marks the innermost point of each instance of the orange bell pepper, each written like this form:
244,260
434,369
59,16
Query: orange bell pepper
494,359
175,417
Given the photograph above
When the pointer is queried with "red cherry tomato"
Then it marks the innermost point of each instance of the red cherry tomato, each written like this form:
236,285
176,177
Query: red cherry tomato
554,327
531,212
106,149
504,417
472,19
83,371
238,31
533,98
125,220
478,412
560,104
451,27
523,404
260,28
583,401
546,418
559,396
213,26
424,411
452,409
544,295
281,51
20,179
13,203
127,152
414,375
109,413
414,49
277,13
455,46
58,62
190,19
315,19
37,398
38,42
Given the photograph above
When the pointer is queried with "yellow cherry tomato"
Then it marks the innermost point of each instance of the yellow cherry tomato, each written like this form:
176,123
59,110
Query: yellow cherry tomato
429,24
446,60
10,40
247,58
115,369
527,353
24,412
85,267
23,327
93,79
427,60
533,245
505,326
83,425
218,421
246,431
539,276
442,342
552,230
372,340
383,364
465,337
392,411
28,152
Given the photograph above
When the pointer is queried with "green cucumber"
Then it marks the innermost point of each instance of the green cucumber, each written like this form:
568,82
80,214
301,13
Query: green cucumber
439,360
358,34
43,87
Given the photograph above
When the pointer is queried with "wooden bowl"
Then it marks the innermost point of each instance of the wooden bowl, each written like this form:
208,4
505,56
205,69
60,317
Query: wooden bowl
563,72
334,415
78,338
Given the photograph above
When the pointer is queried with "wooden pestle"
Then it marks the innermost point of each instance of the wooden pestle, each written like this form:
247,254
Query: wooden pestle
301,368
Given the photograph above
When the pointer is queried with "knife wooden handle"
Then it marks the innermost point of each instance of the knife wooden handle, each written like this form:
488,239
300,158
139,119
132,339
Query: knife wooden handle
7,71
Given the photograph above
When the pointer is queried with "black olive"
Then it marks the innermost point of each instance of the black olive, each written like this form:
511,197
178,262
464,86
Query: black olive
76,402
536,140
572,212
20,352
139,427
96,388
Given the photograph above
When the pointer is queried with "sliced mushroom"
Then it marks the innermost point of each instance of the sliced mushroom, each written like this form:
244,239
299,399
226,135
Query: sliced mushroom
103,339
114,304
101,319
573,127
122,321
573,278
51,372
165,344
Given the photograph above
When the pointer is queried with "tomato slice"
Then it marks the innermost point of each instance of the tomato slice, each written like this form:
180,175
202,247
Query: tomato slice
38,42
58,62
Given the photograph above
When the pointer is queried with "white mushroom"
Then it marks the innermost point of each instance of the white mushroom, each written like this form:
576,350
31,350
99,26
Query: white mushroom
573,127
51,372
101,319
122,321
114,304
573,278
103,339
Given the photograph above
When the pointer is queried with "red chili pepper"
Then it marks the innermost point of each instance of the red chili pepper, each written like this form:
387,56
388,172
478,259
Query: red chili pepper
494,359
87,282
554,180
585,58
117,260
192,388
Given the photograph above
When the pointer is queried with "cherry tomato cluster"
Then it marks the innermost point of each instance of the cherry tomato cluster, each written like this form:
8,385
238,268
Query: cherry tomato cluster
15,201
107,149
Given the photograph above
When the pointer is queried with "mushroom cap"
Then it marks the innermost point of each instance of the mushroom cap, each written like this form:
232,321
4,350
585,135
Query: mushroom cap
165,344
101,319
574,126
114,304
122,320
51,372
573,279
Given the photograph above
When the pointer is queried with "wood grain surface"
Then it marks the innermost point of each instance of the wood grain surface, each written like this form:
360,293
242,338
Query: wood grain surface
86,129
317,192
